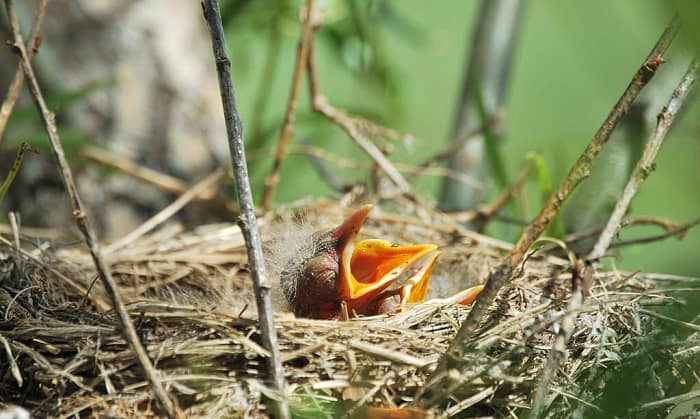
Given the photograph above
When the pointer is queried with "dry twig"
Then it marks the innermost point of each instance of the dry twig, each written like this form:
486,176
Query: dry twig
646,164
640,173
351,125
289,117
81,218
248,222
443,384
678,231
16,85
201,187
486,212
162,181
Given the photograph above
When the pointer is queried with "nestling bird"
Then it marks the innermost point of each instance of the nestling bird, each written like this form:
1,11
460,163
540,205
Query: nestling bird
369,276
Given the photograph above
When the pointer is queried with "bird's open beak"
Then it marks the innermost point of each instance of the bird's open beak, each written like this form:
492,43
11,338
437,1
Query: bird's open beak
371,268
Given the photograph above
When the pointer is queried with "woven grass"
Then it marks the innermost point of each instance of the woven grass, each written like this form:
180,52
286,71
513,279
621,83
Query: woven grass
189,295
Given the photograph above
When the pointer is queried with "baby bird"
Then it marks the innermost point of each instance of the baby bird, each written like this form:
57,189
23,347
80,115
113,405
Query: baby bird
370,276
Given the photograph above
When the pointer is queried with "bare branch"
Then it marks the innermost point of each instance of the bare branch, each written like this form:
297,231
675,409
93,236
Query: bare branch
81,218
488,211
436,389
16,85
349,124
646,163
678,231
248,222
289,117
640,173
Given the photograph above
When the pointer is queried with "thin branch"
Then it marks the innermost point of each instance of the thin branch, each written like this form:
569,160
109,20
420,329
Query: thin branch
290,116
81,218
679,230
455,145
248,222
488,211
646,164
324,172
166,183
16,86
671,228
436,389
640,173
349,124
162,216
343,162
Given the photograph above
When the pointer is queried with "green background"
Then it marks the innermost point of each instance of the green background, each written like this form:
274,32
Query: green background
573,61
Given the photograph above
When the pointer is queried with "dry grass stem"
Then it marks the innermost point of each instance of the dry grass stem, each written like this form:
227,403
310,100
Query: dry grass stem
166,213
15,88
188,289
288,125
166,183
81,218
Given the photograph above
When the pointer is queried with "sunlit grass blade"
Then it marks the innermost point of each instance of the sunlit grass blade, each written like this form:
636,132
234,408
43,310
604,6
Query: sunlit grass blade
544,184
24,147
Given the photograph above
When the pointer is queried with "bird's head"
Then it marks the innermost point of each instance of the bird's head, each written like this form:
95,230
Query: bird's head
370,276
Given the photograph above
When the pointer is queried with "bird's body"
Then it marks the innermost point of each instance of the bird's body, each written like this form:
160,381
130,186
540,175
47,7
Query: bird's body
369,276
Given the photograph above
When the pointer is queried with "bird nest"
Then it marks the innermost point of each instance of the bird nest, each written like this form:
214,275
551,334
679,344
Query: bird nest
188,293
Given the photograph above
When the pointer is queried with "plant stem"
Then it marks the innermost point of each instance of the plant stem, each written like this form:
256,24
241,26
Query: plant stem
247,220
446,379
486,77
16,85
81,219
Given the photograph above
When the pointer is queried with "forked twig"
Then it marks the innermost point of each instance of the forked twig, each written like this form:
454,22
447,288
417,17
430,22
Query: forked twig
248,222
16,85
436,389
81,219
311,17
640,173
320,105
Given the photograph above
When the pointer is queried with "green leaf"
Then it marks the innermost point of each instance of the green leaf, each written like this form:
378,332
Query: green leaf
544,183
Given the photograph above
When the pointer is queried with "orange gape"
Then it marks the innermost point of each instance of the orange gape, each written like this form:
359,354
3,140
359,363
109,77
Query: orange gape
369,276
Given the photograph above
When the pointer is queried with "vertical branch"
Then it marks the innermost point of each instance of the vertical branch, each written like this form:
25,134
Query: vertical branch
264,89
288,124
487,77
443,380
247,221
641,171
16,85
81,219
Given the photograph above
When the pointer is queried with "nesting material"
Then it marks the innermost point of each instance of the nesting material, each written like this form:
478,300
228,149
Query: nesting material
189,295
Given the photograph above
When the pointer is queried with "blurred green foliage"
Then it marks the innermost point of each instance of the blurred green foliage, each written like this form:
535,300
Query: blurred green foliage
401,62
